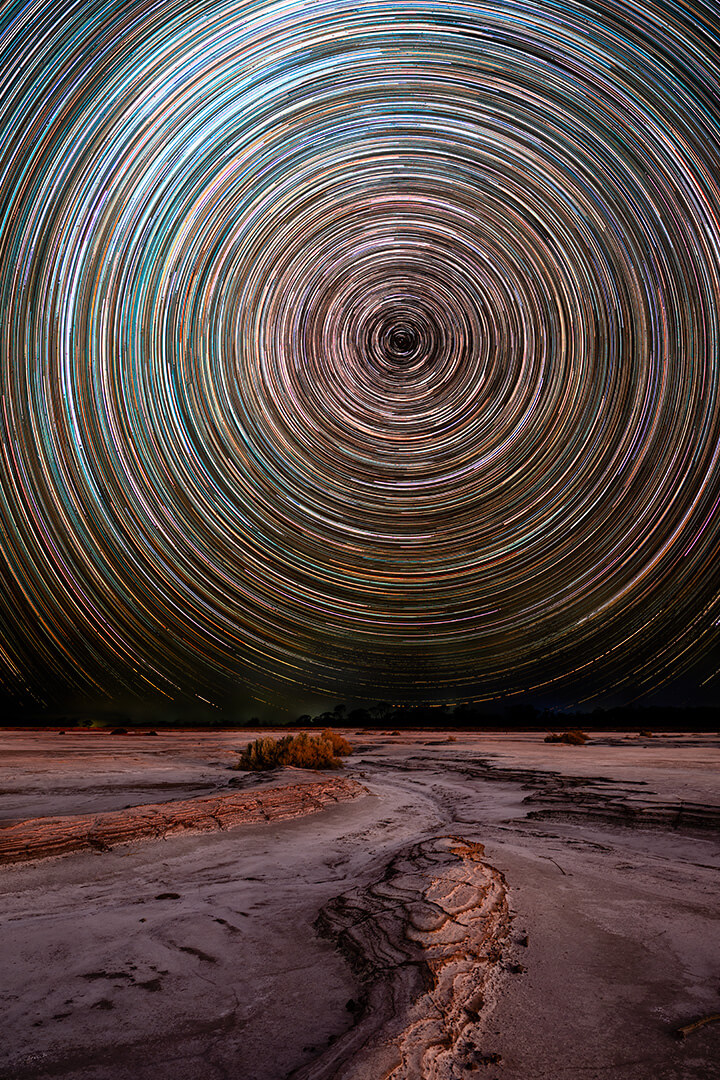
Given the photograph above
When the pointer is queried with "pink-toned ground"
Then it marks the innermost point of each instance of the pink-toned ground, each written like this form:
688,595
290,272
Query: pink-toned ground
202,955
45,837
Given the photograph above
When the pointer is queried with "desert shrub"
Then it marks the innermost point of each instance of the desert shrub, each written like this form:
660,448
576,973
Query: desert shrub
263,753
340,746
304,751
570,738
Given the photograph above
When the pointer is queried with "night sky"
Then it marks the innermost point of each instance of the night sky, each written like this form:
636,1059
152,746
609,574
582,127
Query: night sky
368,350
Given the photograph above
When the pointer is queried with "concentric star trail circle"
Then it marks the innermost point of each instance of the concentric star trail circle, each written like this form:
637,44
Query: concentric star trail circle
369,348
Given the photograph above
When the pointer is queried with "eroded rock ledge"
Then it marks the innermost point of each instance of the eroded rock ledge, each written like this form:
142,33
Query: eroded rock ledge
425,941
39,838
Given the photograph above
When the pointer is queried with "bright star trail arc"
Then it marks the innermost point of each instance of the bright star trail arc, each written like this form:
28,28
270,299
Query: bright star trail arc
359,347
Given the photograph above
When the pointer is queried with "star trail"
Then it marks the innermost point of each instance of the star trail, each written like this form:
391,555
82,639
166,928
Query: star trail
359,347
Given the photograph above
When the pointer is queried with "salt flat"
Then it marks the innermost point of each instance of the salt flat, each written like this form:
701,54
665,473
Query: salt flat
198,956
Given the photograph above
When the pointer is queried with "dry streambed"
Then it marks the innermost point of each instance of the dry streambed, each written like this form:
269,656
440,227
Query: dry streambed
424,940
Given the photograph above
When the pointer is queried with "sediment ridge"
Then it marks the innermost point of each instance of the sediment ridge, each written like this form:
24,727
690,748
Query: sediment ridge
425,942
38,838
599,800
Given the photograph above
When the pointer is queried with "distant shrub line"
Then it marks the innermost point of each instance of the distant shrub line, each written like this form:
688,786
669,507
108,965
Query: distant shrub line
323,751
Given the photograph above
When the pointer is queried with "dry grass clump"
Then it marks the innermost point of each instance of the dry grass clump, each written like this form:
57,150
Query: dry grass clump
304,751
570,738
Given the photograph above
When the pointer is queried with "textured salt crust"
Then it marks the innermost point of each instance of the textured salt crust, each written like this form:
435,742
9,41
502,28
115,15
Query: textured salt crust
424,940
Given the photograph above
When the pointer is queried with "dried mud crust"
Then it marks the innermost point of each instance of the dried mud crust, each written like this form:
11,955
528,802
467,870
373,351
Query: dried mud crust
585,799
39,838
425,941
